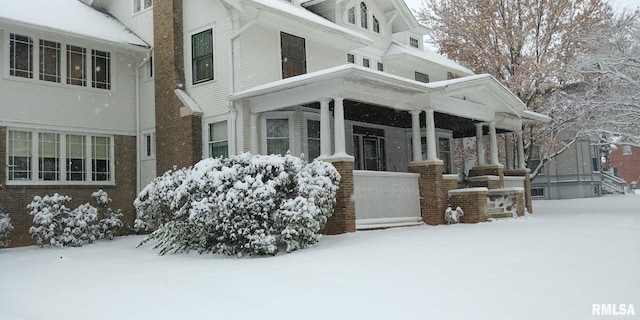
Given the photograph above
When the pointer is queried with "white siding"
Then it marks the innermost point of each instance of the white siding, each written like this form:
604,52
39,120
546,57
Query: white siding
140,23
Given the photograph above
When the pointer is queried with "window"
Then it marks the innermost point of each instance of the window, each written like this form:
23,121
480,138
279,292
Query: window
365,62
21,56
414,42
444,154
101,69
626,150
380,66
149,144
351,15
101,158
76,157
51,157
376,25
76,64
313,139
537,192
451,75
49,61
364,21
202,56
294,55
277,136
150,67
139,5
351,58
218,140
48,156
535,158
19,155
422,77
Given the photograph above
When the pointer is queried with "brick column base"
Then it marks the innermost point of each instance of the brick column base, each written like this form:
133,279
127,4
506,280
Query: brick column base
526,173
489,170
343,219
473,201
432,191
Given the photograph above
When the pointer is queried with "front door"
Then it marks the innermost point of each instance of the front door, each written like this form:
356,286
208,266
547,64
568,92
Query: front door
369,149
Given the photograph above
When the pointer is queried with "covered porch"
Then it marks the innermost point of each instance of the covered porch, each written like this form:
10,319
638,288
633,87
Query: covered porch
385,135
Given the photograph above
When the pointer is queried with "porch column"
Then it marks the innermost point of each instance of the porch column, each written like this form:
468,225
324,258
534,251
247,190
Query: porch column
325,129
493,143
417,138
254,133
338,114
479,145
508,139
520,141
431,136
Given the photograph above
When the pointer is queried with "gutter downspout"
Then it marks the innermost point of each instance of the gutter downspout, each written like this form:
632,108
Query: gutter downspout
138,66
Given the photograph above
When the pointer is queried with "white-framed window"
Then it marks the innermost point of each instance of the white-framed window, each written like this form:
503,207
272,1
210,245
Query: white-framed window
537,192
140,5
376,25
414,42
218,139
364,15
52,157
351,15
626,150
149,145
366,62
351,58
101,69
20,56
50,61
312,136
380,66
277,129
421,77
202,56
76,66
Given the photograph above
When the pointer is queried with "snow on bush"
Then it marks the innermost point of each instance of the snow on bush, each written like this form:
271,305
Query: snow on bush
5,227
244,204
60,226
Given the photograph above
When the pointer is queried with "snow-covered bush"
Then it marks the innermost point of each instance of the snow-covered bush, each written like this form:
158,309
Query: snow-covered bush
79,226
240,205
5,227
49,219
110,219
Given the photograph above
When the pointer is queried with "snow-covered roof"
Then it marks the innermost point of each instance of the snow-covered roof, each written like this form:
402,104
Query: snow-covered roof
300,13
68,16
397,49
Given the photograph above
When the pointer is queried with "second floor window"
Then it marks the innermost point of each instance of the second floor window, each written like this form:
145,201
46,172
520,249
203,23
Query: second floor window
414,42
139,5
76,65
49,61
294,55
376,25
202,56
21,56
101,69
364,16
422,77
351,15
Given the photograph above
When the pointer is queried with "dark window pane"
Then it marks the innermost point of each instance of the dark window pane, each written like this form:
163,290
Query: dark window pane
294,56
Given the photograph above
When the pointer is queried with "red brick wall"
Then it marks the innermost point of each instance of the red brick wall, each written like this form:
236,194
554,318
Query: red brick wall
432,190
343,219
123,192
178,139
628,165
473,202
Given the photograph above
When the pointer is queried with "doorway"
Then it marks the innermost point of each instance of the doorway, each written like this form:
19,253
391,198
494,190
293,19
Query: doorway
369,149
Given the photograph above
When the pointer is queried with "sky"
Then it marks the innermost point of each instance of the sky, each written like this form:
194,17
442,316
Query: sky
617,4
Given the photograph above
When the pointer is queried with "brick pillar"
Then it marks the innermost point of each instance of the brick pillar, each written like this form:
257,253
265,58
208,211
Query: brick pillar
178,138
343,219
473,201
432,191
489,170
526,173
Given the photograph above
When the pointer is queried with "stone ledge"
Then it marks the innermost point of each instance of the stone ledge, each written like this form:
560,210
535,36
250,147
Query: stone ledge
484,178
469,190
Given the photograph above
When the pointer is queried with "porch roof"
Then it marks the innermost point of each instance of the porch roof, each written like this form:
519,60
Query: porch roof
478,97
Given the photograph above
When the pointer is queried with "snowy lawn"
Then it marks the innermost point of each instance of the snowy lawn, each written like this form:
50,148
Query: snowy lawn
551,265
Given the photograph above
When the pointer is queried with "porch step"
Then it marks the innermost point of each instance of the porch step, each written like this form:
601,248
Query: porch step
497,213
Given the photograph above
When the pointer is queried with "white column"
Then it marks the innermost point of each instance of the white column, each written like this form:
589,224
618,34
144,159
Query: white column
416,136
325,129
479,144
254,133
493,143
431,136
508,139
520,141
338,118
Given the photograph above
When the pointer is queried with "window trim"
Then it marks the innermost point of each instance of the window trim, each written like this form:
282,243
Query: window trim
142,4
63,156
308,116
208,140
277,115
146,135
418,73
627,150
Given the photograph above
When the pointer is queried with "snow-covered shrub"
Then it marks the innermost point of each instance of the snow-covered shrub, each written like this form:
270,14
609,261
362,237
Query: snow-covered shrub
5,227
110,219
79,226
239,205
49,219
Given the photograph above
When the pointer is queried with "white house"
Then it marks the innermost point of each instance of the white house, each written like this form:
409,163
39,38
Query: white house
344,81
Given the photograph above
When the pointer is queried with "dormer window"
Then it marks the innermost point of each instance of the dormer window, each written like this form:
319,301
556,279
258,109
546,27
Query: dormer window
364,17
376,25
351,15
139,5
414,42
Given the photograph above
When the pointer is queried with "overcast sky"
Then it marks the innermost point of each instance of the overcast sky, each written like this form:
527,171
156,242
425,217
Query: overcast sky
617,4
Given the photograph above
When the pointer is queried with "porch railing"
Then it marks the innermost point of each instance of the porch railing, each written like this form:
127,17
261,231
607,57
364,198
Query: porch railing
514,182
385,199
613,184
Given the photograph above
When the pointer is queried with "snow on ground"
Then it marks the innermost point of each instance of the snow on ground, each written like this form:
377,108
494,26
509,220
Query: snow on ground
553,264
